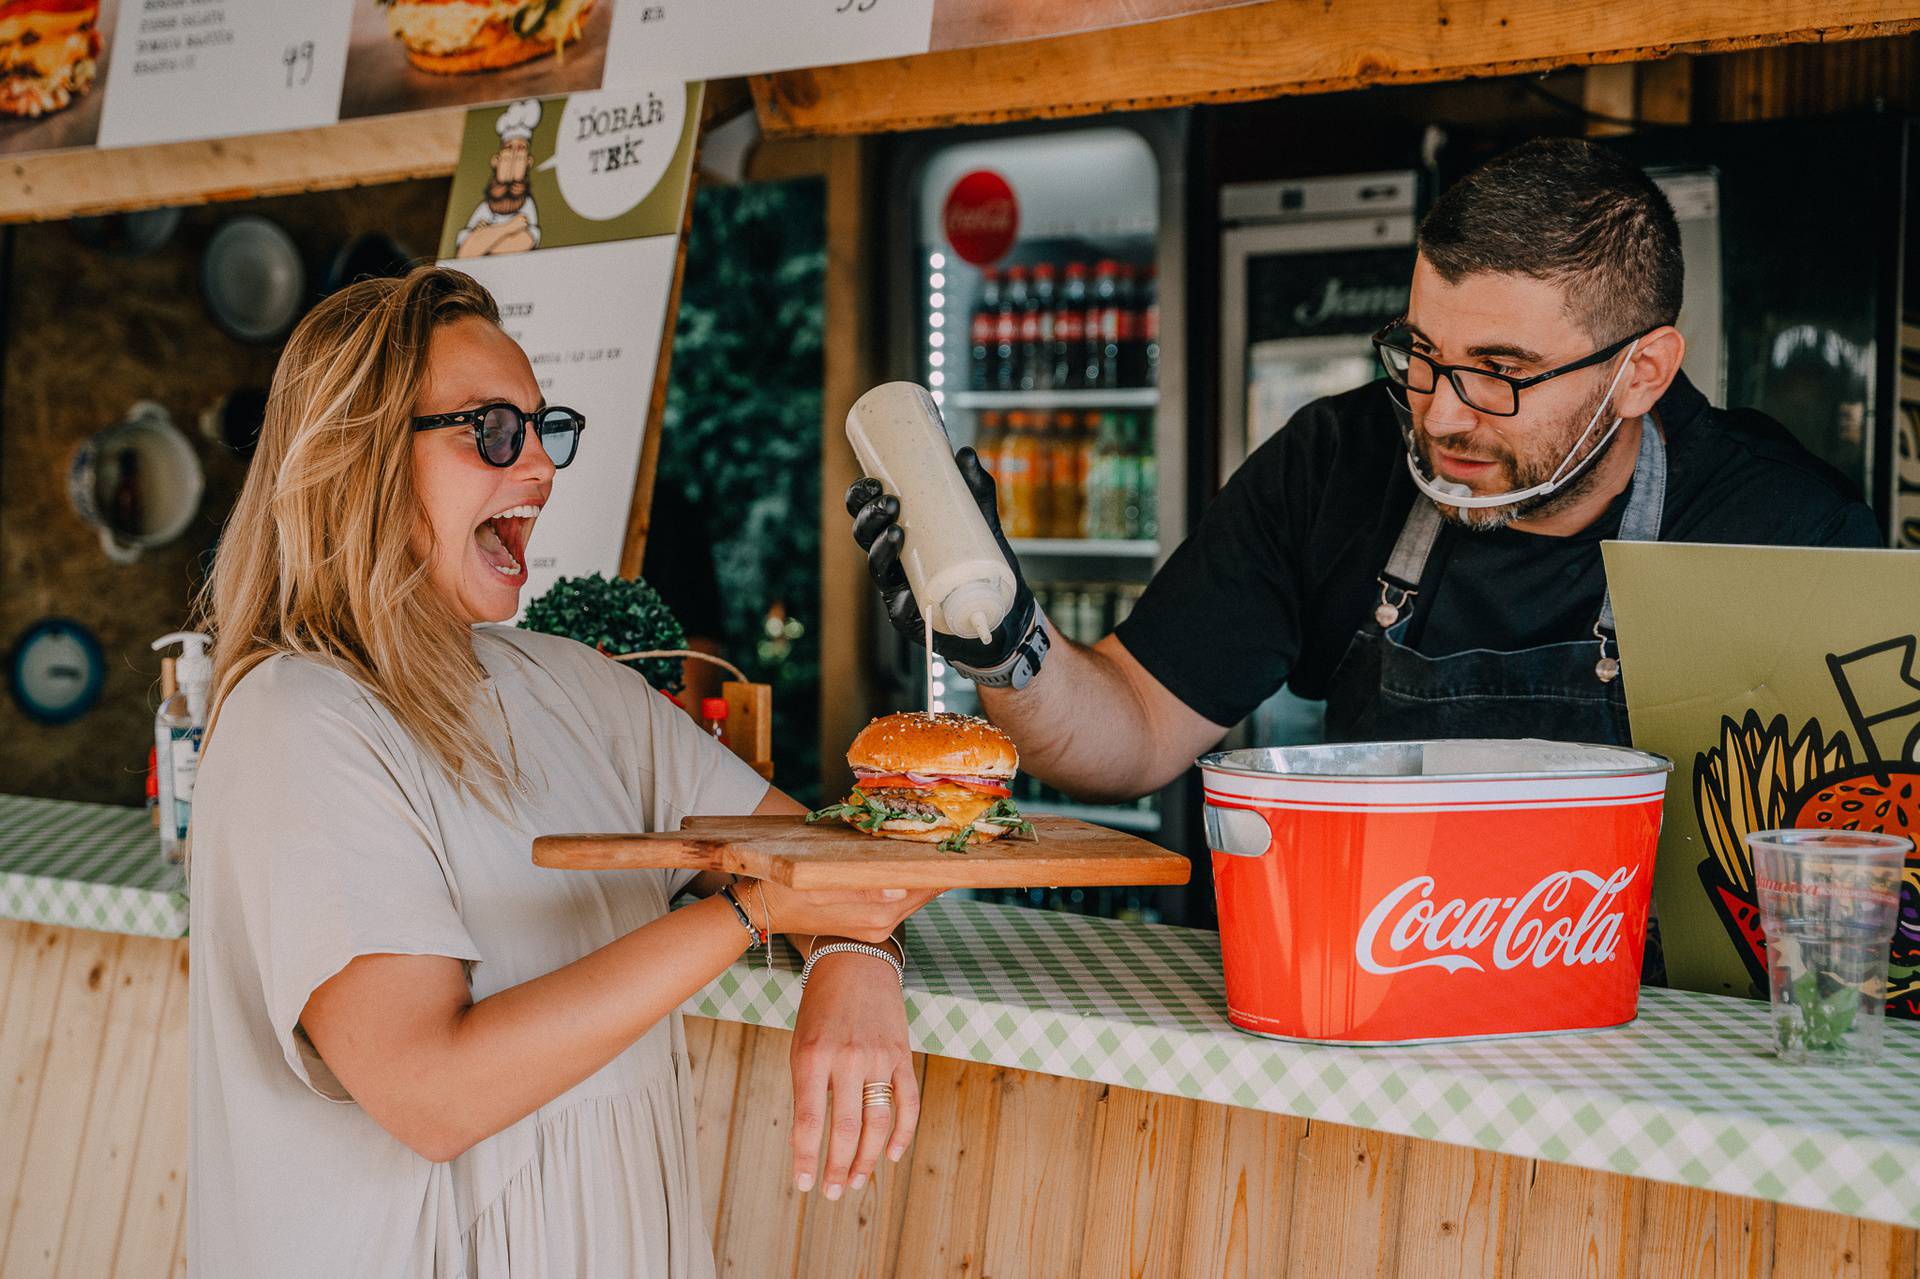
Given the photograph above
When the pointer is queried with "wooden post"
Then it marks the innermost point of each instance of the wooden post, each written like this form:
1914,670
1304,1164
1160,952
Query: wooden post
849,368
750,723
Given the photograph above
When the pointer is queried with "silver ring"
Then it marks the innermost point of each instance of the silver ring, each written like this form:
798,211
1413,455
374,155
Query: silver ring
876,1095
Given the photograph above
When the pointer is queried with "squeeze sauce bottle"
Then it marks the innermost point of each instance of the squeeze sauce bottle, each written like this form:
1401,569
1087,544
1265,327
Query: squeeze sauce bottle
177,728
962,582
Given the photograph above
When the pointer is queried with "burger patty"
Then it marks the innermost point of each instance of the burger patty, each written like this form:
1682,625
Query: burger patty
905,801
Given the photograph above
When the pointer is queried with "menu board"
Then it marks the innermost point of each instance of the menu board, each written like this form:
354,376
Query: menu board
184,65
569,211
121,73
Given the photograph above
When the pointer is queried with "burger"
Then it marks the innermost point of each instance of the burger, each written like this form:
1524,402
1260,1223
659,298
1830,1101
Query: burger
49,54
932,778
451,37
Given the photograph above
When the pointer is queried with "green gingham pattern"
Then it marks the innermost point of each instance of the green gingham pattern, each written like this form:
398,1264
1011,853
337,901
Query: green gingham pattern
1688,1093
92,866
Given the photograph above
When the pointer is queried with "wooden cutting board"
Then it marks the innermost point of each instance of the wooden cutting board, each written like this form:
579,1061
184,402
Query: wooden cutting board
1068,853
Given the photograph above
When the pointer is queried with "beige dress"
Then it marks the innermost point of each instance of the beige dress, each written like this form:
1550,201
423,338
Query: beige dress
322,833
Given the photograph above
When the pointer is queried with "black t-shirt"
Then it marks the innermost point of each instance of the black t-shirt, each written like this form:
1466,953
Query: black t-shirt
1284,567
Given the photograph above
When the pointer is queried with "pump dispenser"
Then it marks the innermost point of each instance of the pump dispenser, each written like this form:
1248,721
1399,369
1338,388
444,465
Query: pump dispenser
178,727
962,582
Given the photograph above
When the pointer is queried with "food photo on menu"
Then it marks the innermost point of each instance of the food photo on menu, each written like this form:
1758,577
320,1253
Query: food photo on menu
406,55
53,62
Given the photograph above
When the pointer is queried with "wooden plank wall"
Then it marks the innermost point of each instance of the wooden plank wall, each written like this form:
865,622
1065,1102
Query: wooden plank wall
1018,1176
93,1104
1014,1175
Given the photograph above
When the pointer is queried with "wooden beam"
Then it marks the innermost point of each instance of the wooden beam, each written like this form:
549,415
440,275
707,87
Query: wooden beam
64,184
1289,46
1609,95
395,148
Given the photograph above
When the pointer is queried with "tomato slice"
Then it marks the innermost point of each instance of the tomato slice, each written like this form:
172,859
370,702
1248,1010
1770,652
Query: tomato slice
895,781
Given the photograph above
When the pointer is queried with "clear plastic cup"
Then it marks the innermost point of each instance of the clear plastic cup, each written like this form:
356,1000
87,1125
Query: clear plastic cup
1828,902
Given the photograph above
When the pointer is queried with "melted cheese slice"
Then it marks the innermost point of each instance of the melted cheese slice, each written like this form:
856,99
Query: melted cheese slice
65,38
453,25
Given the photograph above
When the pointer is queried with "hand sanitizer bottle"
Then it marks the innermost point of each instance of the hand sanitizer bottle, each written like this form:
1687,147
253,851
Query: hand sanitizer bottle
177,729
962,582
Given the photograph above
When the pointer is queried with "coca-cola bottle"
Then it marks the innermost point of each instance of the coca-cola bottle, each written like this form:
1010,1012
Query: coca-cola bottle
1006,330
980,324
1036,332
1133,347
1069,354
1113,304
1150,326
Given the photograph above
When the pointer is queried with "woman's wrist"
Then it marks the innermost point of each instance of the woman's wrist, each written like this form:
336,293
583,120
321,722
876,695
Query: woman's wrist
726,908
889,956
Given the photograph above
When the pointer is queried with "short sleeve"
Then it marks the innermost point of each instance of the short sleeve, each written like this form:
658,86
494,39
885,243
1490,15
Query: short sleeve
320,834
688,772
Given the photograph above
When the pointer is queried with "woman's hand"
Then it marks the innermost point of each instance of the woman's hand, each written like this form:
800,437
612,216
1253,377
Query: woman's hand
852,1031
869,915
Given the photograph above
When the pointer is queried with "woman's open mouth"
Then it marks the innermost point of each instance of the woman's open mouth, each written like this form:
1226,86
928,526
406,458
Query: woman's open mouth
502,539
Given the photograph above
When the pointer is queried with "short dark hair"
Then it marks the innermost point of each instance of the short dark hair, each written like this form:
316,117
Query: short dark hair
1572,212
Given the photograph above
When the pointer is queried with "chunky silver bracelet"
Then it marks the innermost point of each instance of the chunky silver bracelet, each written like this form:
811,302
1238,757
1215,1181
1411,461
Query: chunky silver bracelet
855,948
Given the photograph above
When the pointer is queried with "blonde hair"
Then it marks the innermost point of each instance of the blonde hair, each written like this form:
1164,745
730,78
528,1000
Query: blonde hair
318,557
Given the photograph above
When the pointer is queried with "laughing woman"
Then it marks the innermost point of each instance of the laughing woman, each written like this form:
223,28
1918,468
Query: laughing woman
413,1052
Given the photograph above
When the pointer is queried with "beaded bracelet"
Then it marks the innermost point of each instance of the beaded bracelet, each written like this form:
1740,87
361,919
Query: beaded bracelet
760,938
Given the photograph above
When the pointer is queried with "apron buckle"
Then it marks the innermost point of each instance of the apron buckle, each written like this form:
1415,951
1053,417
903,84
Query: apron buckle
1387,612
1608,667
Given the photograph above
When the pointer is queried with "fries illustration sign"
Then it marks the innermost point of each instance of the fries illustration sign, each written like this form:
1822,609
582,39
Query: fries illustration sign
1799,710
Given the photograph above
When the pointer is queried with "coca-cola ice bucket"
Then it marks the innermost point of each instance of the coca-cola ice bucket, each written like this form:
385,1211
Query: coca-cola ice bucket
1397,892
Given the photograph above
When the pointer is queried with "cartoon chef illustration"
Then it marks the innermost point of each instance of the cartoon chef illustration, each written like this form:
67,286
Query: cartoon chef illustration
506,221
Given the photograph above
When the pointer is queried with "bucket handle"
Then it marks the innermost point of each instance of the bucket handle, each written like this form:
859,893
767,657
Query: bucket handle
1238,832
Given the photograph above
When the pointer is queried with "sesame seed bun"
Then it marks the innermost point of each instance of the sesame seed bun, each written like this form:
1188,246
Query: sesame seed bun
919,742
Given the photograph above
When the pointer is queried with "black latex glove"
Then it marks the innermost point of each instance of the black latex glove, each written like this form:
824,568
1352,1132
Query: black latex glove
877,530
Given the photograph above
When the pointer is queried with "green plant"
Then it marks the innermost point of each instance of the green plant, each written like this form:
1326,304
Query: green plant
616,616
742,438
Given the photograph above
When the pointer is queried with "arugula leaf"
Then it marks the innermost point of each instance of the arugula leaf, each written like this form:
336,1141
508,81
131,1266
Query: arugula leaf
868,814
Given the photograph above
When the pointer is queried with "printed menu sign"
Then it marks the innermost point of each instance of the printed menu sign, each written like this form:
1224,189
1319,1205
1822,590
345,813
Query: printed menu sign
211,68
1801,709
119,73
708,39
569,211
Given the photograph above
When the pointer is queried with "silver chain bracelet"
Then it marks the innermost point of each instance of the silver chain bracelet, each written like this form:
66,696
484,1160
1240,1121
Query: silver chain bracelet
855,948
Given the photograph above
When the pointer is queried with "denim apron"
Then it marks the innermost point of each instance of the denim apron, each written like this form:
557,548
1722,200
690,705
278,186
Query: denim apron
1384,691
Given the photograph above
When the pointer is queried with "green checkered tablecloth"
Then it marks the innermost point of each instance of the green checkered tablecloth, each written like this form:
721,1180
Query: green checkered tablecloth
1688,1093
92,866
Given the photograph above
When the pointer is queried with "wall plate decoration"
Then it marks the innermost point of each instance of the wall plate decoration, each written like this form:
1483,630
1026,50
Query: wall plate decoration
56,671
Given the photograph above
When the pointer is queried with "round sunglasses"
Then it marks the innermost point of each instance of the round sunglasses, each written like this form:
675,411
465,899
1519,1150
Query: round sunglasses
500,431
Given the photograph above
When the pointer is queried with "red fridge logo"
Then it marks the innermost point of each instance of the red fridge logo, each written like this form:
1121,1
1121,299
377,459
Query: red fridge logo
981,217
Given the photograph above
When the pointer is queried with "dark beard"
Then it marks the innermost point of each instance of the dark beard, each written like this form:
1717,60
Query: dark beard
1586,479
506,197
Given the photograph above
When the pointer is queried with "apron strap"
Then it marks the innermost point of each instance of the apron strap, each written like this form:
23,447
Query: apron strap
1645,504
1640,523
1400,580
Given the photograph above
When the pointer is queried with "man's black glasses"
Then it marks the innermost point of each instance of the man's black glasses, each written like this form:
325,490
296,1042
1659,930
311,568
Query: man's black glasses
500,431
1488,392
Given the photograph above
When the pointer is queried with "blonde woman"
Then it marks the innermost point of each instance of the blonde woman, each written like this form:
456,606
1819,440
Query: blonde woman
412,1051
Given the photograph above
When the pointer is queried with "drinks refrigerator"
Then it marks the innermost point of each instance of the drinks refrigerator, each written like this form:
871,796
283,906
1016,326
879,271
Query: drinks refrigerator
1088,452
1310,269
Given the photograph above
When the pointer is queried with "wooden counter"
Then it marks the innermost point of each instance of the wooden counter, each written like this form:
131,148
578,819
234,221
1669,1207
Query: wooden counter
1087,1112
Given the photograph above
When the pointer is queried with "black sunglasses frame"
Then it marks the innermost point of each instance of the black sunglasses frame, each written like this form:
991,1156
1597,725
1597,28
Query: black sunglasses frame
476,418
1452,372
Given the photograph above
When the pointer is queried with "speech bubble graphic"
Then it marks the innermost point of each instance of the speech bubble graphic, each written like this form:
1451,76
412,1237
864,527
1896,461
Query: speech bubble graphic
614,146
